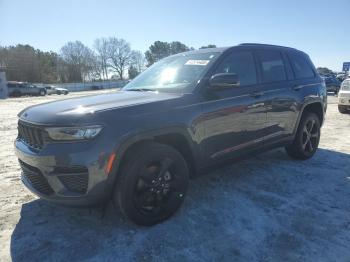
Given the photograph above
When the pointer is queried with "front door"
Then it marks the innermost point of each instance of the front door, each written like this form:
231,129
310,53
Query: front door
234,118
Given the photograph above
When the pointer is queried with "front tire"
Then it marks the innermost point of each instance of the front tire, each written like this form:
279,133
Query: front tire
152,184
307,137
42,93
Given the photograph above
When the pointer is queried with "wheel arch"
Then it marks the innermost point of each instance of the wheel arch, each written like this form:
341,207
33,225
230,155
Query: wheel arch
177,138
314,107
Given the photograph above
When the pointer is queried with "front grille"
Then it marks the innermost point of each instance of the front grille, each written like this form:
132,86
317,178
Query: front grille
36,179
77,183
31,135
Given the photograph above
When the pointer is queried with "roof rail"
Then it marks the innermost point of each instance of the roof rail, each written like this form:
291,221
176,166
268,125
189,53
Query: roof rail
257,44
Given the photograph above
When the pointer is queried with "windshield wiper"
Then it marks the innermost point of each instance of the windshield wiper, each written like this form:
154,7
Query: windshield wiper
141,89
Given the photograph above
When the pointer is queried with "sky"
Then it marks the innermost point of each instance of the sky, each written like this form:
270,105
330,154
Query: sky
319,28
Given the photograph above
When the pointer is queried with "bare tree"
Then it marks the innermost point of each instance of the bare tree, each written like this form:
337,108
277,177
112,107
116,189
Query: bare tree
97,69
74,63
79,60
119,54
138,60
101,47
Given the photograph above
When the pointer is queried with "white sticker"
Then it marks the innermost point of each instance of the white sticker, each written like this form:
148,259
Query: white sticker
197,62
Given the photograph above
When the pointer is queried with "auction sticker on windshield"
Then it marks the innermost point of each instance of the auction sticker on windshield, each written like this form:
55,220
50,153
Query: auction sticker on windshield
197,62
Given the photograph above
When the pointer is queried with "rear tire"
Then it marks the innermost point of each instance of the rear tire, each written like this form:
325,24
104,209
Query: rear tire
152,184
307,137
342,109
42,93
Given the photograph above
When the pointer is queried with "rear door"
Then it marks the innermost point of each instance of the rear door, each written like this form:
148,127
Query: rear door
33,90
277,81
306,82
25,89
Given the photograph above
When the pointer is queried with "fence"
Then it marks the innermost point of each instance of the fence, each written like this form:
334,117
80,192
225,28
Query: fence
74,87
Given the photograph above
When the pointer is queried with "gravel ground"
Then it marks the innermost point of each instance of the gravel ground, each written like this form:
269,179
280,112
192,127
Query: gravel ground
266,208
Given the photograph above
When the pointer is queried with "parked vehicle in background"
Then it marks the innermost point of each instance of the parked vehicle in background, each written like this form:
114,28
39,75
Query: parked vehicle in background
22,88
181,116
56,90
50,89
332,84
341,77
344,97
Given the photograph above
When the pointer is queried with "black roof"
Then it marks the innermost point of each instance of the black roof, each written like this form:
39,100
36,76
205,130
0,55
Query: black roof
207,50
266,46
248,45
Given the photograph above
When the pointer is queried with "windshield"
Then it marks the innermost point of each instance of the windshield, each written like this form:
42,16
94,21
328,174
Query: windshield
177,72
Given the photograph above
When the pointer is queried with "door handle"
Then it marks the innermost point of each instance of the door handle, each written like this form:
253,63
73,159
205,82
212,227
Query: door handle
256,94
297,87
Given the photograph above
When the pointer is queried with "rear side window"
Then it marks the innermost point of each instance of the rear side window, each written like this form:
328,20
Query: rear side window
272,66
242,64
301,66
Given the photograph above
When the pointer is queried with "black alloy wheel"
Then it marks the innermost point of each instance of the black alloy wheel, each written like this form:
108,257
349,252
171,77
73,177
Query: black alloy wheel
310,136
152,183
157,187
307,137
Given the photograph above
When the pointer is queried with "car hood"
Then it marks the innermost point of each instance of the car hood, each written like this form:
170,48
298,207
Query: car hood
71,111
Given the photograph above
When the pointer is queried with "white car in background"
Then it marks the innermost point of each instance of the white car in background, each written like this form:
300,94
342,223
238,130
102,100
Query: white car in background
50,89
344,97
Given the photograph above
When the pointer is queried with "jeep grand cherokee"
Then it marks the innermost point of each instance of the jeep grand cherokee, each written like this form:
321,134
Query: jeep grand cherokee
187,112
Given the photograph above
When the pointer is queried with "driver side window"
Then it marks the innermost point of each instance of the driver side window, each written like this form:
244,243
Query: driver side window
242,64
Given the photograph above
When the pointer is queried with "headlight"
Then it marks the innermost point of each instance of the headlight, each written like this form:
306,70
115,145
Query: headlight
73,133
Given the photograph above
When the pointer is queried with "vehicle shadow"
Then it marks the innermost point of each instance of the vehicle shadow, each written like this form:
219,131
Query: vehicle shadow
264,208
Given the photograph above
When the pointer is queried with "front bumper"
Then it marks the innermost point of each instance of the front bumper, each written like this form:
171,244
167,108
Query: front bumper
344,98
70,174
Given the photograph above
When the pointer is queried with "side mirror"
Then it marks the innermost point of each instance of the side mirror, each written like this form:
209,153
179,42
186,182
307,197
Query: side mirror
224,80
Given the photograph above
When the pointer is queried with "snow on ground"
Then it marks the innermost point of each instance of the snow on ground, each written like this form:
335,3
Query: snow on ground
266,208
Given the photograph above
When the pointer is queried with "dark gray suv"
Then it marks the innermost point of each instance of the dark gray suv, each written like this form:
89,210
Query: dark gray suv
184,114
22,88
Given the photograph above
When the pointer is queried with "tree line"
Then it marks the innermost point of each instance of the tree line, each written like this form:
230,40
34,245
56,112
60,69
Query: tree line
109,58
